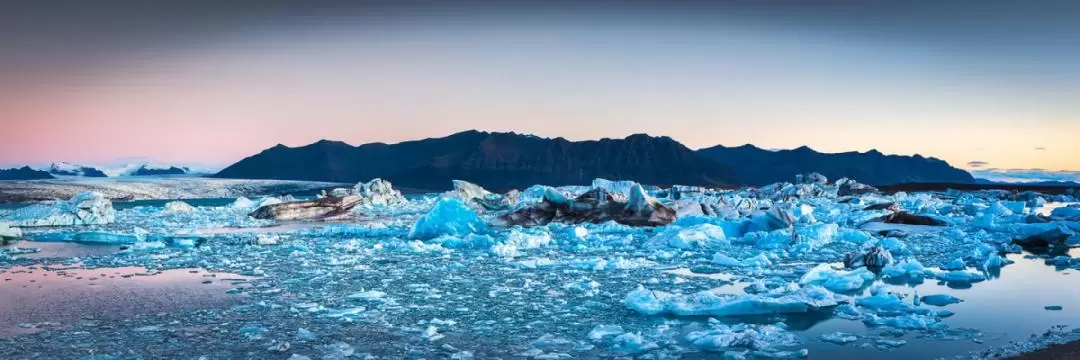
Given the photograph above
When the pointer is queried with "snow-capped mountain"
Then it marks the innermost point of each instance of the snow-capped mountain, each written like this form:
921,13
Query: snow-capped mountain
69,169
132,169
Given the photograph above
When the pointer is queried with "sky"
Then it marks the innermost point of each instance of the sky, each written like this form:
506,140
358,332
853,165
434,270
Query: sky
988,86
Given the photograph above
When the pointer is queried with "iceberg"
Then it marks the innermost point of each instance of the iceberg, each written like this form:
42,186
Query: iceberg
88,208
325,208
378,192
473,194
448,217
178,207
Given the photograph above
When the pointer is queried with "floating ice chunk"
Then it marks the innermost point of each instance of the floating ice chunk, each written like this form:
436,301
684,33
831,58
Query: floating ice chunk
692,237
337,351
940,300
267,201
885,303
253,333
550,342
632,343
998,209
742,336
471,241
804,214
995,261
88,208
957,264
889,343
243,203
145,246
960,277
178,207
370,295
9,232
528,239
853,236
650,302
602,331
1066,213
378,192
909,269
448,217
876,257
621,187
906,321
305,335
89,237
1016,207
837,280
839,338
721,259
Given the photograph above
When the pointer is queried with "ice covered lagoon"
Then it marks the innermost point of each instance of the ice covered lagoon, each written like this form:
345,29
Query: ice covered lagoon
370,286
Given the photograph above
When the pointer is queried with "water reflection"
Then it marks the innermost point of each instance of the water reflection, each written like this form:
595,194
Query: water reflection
36,298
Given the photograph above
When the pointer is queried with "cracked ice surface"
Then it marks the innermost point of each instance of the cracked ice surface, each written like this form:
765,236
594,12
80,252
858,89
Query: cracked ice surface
761,278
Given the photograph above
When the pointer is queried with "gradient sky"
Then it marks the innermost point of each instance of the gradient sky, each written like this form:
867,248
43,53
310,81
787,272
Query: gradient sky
981,84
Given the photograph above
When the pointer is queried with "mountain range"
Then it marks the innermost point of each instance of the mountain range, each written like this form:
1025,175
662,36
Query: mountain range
24,173
509,160
493,160
756,166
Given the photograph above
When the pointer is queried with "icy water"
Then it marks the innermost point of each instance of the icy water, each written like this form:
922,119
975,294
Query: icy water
37,298
261,290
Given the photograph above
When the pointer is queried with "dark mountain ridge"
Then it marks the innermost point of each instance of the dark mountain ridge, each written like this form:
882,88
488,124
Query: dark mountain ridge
24,173
490,159
756,166
510,160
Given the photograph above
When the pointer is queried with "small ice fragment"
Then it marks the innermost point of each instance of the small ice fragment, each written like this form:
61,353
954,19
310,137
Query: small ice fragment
632,343
940,300
305,335
839,338
601,331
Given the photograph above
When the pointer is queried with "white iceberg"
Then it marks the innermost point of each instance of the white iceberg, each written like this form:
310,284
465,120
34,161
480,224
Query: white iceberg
178,207
378,192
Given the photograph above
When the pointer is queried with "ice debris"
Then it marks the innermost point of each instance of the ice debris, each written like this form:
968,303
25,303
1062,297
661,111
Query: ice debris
709,303
837,280
88,208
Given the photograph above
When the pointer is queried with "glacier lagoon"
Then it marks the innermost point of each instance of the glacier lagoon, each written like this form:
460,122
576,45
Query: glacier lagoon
701,287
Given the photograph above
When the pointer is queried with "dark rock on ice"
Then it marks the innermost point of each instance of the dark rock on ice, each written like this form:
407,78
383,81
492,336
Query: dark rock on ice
912,219
1054,238
326,208
881,206
595,206
875,259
